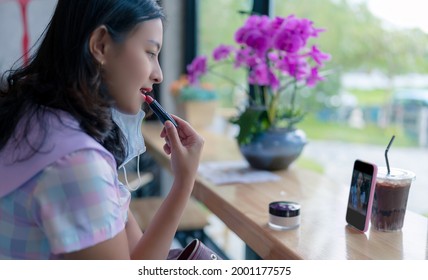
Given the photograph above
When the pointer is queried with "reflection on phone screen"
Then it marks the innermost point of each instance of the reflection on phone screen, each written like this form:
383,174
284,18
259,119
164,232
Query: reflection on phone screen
360,191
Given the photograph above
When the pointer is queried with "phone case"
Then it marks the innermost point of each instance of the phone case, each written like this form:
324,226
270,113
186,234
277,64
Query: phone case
353,217
371,197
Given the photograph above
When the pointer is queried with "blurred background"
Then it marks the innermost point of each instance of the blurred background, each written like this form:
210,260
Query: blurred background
376,82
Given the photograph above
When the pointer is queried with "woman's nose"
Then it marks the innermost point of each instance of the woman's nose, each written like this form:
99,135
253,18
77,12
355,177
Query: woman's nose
157,75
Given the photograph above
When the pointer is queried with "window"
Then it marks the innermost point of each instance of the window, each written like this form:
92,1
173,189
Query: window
376,83
218,21
376,87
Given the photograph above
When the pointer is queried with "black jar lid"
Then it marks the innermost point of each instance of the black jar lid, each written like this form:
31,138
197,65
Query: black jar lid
284,208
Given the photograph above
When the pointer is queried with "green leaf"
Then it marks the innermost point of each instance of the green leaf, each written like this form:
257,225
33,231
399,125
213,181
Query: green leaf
250,123
289,117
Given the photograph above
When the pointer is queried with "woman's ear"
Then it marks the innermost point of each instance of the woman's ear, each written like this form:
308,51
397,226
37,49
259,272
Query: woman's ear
99,43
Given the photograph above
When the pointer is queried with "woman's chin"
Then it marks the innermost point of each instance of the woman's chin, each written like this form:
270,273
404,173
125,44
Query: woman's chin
134,111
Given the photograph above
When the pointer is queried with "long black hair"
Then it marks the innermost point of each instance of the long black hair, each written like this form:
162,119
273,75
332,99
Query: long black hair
62,73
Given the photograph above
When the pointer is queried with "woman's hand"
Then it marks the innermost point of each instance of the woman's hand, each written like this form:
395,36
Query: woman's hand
184,145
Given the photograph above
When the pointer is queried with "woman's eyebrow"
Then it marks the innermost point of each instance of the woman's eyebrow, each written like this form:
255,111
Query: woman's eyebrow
154,43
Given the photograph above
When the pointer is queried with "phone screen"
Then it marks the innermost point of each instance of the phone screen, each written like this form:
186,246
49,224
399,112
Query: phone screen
361,194
360,191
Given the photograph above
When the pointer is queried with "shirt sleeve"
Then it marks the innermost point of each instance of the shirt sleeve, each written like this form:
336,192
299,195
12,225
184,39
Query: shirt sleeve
78,201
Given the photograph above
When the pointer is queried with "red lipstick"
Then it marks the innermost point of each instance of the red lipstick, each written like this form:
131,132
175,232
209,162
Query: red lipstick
160,112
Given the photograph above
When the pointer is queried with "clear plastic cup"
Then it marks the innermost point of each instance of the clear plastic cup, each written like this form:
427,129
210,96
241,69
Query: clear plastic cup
390,199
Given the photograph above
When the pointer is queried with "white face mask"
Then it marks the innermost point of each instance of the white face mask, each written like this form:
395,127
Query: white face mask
130,126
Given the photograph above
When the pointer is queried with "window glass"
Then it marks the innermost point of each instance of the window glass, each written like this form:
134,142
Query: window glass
218,21
376,86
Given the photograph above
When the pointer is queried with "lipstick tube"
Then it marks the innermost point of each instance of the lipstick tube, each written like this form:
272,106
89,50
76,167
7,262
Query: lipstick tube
160,112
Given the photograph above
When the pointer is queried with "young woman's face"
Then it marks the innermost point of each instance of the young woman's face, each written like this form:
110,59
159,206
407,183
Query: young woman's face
134,66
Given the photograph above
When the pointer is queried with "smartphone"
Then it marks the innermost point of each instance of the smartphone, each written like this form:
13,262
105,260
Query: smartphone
361,192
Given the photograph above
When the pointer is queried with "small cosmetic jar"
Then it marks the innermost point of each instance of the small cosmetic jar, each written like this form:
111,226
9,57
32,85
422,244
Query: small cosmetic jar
284,215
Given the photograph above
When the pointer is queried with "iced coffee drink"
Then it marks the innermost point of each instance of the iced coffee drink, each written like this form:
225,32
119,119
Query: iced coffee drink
390,199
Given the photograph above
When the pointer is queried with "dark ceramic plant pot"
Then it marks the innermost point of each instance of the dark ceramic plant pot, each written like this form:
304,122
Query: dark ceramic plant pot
274,149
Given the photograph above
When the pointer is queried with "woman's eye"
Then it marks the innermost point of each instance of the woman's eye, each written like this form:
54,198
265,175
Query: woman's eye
152,54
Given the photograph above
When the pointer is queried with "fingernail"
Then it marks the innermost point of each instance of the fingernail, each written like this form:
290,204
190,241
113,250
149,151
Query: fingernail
168,124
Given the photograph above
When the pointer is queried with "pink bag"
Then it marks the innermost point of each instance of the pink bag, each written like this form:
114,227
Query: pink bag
195,250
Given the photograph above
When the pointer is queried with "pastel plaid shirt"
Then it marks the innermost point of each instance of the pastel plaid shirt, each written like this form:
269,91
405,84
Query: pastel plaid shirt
72,204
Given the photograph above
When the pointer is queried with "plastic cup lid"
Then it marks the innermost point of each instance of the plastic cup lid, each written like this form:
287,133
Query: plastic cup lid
395,174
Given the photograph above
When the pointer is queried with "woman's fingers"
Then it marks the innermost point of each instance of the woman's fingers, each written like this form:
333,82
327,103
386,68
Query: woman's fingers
167,149
172,135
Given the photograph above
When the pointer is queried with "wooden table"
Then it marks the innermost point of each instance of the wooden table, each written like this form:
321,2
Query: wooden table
323,233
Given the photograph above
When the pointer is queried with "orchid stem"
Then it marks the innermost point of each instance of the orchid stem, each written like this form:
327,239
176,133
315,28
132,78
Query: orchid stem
293,96
273,108
230,81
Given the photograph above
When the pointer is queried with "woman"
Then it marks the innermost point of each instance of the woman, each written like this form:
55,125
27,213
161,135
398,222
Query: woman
69,119
356,187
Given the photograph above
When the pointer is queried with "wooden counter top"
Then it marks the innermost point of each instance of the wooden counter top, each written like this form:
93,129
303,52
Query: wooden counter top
323,233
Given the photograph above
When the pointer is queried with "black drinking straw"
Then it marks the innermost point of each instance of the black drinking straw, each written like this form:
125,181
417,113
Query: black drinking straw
386,153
